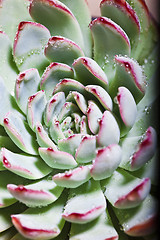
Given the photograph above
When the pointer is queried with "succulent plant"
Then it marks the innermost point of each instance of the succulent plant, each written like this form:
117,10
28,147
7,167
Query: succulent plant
77,120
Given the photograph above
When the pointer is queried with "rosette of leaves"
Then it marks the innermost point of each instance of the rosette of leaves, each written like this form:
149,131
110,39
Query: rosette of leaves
77,129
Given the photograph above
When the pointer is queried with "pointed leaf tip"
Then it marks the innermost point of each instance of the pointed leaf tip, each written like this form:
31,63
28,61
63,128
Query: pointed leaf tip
101,94
145,149
94,115
85,203
73,178
109,125
57,45
112,26
127,106
57,159
106,162
35,114
27,83
89,72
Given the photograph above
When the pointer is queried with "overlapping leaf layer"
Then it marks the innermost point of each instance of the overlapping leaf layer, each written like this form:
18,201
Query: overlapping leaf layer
77,120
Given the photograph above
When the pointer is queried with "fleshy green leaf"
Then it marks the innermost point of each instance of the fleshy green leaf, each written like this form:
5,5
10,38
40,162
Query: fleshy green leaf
57,18
39,222
102,95
149,170
145,149
148,33
66,125
84,129
109,40
101,228
20,133
67,85
70,144
142,11
56,47
43,138
141,220
138,150
73,178
76,118
127,106
52,76
37,194
94,115
85,203
56,131
27,84
30,167
86,152
67,109
147,110
125,191
89,72
130,75
106,162
79,99
151,63
109,125
28,49
53,107
123,14
35,108
57,159
125,110
61,236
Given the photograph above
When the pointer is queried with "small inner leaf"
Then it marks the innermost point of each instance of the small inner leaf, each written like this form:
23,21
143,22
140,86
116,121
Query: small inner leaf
35,108
27,84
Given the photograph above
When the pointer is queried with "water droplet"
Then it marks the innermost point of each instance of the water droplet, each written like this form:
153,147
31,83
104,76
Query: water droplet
145,61
147,109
